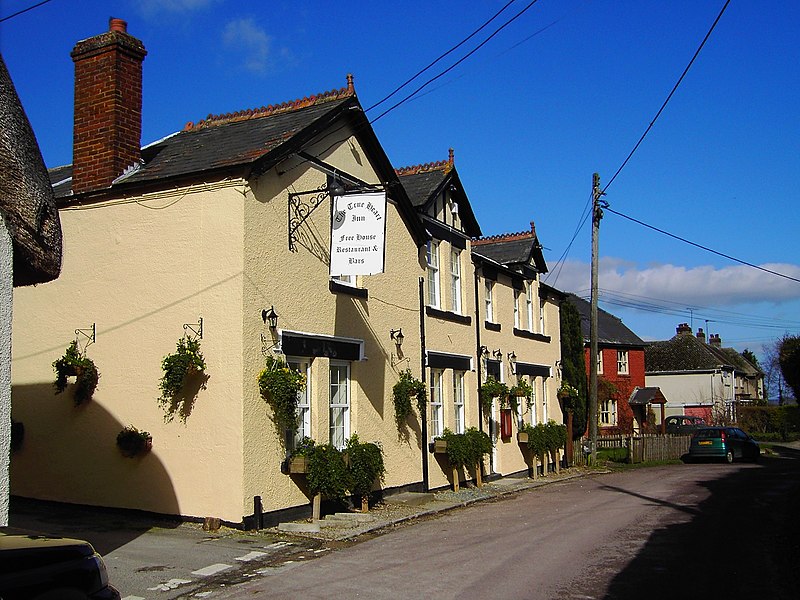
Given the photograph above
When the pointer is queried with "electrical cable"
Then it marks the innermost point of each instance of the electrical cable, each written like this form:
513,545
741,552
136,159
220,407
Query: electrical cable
24,10
450,51
669,97
706,248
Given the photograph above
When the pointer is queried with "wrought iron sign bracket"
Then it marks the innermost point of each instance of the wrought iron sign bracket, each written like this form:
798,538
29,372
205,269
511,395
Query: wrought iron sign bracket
301,205
89,333
195,328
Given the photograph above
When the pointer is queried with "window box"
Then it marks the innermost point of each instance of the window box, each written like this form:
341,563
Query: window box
522,437
298,464
440,446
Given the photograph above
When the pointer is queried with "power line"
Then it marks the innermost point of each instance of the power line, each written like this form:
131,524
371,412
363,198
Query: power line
706,248
458,62
450,51
24,10
669,97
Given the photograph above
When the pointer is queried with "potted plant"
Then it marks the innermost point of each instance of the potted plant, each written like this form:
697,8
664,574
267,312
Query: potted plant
75,364
402,392
177,367
366,467
566,391
279,387
133,442
492,388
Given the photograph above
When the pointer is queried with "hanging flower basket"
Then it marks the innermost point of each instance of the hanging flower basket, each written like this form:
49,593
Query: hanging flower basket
566,391
75,364
402,392
493,389
186,361
133,442
280,386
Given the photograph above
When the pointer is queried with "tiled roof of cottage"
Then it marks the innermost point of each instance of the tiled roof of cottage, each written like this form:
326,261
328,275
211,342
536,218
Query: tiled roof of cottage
610,328
228,141
512,249
685,352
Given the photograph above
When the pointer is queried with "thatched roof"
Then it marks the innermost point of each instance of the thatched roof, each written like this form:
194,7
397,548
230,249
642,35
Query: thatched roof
26,197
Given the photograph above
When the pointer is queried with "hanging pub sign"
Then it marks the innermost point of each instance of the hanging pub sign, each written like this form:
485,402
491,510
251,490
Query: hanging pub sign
358,234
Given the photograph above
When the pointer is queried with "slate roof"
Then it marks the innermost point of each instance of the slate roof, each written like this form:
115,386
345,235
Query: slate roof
685,352
424,182
513,250
611,331
250,139
646,395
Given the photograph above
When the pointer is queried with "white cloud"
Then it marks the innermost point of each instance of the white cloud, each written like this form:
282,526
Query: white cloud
245,37
702,286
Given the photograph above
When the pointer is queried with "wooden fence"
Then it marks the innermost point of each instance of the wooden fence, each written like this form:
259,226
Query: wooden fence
641,448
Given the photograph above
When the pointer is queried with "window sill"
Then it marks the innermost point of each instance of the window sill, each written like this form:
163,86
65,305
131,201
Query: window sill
524,333
340,288
491,326
446,315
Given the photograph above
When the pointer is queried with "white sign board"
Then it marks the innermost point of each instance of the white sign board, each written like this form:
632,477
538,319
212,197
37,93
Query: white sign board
358,234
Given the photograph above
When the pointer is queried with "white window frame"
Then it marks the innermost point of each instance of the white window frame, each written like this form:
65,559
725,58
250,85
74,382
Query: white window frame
541,315
544,400
488,299
458,401
517,294
302,365
622,362
600,362
345,279
532,402
434,290
342,406
529,304
608,413
436,403
455,274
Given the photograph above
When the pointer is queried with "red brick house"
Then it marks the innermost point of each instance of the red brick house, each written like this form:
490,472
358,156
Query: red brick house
620,369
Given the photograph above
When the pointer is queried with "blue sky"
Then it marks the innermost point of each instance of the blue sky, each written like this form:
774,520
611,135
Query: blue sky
564,91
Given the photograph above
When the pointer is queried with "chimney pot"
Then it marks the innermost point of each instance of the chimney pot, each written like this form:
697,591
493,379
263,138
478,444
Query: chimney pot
701,334
117,25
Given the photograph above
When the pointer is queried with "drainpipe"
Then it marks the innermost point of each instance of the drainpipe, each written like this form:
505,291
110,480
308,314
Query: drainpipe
423,413
478,348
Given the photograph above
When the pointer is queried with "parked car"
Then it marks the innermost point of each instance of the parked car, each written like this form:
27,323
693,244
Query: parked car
728,443
684,424
34,567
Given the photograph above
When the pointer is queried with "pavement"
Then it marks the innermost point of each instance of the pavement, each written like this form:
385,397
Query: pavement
404,507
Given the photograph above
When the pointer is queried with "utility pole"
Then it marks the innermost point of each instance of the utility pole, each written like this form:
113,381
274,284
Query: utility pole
597,213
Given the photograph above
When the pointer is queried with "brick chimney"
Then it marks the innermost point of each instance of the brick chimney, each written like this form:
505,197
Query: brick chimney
108,107
683,328
701,335
714,340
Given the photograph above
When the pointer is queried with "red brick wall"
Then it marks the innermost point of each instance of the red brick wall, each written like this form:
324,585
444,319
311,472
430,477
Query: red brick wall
624,383
108,109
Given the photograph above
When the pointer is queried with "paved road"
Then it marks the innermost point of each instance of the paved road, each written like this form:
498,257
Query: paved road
681,531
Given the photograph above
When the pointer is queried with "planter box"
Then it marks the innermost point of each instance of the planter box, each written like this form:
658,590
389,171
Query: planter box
298,464
522,437
440,446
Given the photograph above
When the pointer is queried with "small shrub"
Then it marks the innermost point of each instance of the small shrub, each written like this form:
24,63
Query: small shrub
328,474
366,466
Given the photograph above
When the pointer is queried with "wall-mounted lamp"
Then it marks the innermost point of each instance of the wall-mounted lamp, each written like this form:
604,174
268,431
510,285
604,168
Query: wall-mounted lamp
336,188
498,354
512,360
483,351
397,336
271,316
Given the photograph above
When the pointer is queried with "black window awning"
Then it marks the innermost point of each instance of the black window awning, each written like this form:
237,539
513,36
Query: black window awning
295,344
532,370
442,360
